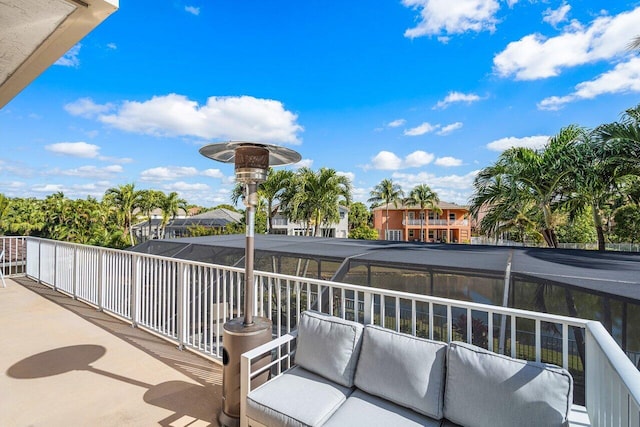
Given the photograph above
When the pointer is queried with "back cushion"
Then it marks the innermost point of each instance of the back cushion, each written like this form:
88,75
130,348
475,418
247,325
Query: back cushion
329,346
487,389
404,369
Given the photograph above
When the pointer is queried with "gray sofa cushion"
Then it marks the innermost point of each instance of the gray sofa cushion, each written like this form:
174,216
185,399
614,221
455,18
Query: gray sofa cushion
364,410
404,369
328,346
296,398
487,389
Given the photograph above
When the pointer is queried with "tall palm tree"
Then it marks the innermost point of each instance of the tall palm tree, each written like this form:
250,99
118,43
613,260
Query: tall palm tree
386,192
148,201
170,205
634,44
125,198
314,197
272,189
536,179
422,195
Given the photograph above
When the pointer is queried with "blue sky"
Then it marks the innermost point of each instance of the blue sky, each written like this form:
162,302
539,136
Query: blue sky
419,91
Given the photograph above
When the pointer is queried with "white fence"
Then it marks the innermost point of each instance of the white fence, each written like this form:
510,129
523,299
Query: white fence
188,302
616,247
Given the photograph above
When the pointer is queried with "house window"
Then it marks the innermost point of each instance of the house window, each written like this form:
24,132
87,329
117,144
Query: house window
422,215
411,234
431,215
394,235
412,215
431,235
341,214
452,216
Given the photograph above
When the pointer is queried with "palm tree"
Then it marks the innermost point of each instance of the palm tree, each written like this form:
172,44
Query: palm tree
388,192
314,197
147,202
170,205
423,196
125,198
538,180
272,188
634,44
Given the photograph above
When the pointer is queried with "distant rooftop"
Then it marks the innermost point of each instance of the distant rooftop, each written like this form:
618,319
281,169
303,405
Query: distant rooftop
442,205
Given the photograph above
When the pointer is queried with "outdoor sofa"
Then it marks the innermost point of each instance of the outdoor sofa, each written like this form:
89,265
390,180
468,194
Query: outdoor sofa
347,374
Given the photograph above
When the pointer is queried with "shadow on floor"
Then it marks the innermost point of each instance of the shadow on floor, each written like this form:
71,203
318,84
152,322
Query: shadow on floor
186,400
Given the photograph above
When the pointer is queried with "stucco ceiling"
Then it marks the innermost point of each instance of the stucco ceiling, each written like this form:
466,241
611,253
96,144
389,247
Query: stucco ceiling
36,33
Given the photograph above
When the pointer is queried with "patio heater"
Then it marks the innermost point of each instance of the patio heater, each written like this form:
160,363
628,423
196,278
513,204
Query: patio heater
252,161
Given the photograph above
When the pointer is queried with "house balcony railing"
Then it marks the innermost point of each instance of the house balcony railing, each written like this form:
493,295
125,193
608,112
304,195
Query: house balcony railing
280,222
187,302
441,222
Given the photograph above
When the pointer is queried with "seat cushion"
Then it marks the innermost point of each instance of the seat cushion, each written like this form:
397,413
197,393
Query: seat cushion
328,346
364,410
404,369
296,398
488,389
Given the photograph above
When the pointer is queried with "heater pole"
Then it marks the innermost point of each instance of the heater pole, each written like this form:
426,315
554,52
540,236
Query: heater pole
250,202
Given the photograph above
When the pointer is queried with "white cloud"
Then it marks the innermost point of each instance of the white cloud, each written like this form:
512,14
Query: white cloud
112,46
446,130
554,17
448,161
85,107
185,186
70,59
192,10
76,149
417,159
453,97
90,171
213,173
534,142
386,160
444,17
167,173
450,188
234,118
397,123
421,130
48,188
625,77
304,163
534,56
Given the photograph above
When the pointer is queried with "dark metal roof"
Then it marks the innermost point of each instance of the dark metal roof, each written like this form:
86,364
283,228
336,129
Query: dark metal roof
614,273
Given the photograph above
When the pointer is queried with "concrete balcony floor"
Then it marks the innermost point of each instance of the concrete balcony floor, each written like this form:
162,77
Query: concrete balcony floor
63,363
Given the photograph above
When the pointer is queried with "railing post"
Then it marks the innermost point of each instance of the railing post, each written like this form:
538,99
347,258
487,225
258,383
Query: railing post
39,261
368,308
182,305
101,256
74,274
134,299
55,267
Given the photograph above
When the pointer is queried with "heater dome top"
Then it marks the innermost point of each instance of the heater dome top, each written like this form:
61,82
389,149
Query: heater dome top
225,152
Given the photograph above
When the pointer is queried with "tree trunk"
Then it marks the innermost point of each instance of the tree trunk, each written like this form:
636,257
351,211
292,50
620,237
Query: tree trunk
550,237
577,332
386,234
269,218
597,221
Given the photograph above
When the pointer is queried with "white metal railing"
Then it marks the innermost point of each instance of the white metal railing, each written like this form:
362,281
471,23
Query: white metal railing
613,382
188,302
13,262
184,301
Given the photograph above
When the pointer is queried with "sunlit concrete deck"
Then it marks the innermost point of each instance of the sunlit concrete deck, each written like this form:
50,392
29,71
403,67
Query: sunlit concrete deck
63,363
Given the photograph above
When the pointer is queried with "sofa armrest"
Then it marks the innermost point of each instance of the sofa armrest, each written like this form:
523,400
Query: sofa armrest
282,347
